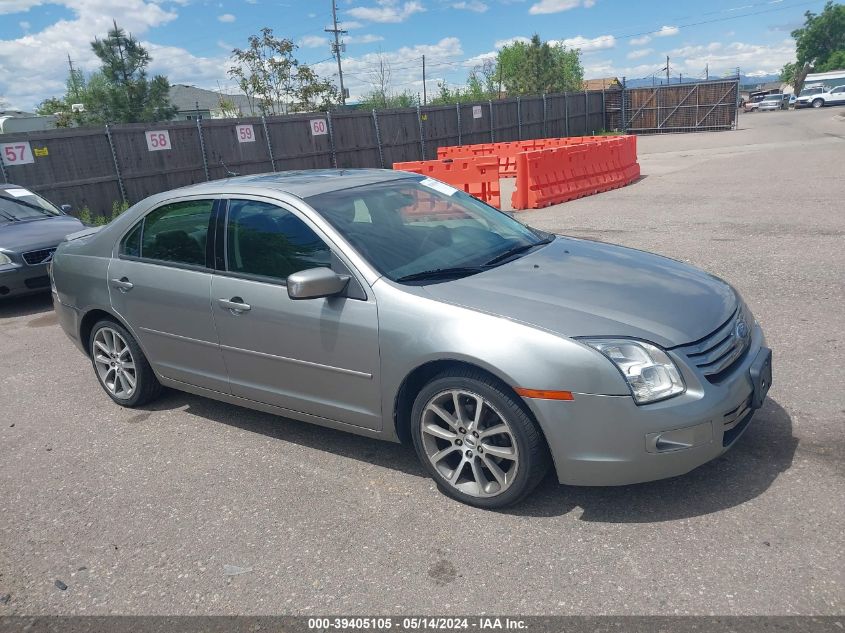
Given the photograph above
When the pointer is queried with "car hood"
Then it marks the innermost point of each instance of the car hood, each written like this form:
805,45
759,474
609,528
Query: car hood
582,288
34,234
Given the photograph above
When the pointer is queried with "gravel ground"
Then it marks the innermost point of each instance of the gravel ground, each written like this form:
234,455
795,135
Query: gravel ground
193,506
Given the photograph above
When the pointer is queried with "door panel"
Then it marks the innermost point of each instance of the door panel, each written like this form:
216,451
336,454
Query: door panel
168,309
317,356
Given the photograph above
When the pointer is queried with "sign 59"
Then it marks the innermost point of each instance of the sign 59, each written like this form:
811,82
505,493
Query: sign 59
18,153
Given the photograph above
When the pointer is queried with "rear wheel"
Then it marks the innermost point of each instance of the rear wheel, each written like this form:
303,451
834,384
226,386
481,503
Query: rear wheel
121,367
476,439
818,103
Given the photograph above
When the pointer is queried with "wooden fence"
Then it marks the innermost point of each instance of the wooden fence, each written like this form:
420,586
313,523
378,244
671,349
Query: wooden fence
96,167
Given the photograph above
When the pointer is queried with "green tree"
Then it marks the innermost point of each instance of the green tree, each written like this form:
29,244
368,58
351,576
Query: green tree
819,44
274,81
126,94
537,67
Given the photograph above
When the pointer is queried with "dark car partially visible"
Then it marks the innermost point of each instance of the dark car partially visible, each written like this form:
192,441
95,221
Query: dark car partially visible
30,229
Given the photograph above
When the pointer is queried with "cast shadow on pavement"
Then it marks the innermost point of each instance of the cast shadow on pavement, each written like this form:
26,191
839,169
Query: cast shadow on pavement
28,305
743,473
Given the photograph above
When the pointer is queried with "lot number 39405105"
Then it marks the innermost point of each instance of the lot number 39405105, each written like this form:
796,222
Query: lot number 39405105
19,153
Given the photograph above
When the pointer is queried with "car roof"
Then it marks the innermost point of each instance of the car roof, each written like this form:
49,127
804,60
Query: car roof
300,183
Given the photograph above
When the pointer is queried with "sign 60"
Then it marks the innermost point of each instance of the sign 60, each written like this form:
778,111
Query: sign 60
318,127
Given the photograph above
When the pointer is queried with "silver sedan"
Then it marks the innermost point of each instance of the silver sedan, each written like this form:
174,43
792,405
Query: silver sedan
394,306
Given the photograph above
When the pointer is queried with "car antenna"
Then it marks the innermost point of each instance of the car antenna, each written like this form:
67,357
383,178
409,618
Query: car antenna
229,172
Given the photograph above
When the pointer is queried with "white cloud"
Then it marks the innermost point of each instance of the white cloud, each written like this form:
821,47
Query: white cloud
557,6
18,6
666,31
43,54
387,11
472,5
226,18
314,41
512,40
639,41
588,44
640,53
349,25
405,67
367,38
25,26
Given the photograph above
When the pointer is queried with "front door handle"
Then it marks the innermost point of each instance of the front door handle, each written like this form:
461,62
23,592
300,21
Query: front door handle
122,284
235,305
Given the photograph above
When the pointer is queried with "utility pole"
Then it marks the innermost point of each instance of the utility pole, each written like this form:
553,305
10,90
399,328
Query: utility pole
74,79
706,72
336,50
667,70
425,98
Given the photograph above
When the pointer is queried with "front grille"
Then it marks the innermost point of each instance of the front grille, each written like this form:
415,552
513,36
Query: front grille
717,353
43,256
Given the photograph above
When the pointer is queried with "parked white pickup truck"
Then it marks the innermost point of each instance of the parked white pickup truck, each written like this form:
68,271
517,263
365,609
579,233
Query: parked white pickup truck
817,99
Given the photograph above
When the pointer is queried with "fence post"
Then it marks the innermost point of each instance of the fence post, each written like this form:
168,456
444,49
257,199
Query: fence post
603,112
519,118
545,133
422,139
331,137
586,113
269,144
202,149
116,166
3,172
458,111
378,138
623,122
492,136
566,111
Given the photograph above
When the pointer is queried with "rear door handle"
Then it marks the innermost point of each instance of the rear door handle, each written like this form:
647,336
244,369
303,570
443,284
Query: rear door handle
122,284
235,305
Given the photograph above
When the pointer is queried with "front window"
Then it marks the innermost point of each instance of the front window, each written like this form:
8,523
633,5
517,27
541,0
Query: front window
268,241
21,204
411,227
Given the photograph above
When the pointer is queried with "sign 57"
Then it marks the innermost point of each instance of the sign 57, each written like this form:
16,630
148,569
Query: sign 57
18,153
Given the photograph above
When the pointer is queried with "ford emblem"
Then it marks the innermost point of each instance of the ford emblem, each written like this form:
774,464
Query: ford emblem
741,329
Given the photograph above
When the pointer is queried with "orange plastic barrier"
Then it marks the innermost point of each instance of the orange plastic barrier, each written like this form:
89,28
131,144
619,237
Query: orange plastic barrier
476,175
508,151
557,174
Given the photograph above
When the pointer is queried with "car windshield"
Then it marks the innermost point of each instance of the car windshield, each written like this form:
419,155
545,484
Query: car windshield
421,230
18,204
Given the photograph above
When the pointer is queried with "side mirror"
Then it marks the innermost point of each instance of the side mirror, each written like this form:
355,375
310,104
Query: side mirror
66,209
315,283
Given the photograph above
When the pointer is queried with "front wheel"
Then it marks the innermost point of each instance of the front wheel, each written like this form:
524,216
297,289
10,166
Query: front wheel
477,440
818,103
121,367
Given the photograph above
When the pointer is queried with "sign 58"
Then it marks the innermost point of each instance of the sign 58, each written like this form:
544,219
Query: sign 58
18,153
158,140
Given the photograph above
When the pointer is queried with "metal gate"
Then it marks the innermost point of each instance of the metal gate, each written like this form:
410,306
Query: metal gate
688,107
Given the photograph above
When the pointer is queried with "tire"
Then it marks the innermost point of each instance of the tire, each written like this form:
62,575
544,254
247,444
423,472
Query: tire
115,355
452,448
818,103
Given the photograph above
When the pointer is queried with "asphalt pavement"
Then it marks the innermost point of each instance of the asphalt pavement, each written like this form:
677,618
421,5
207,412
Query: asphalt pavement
196,507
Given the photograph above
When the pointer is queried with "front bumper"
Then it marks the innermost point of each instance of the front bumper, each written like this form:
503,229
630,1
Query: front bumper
22,279
598,440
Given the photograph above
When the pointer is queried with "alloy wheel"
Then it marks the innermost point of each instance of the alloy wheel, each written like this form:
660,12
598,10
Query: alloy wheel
114,363
469,443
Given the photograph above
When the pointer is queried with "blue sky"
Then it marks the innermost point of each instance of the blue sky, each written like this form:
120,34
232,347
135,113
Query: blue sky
190,40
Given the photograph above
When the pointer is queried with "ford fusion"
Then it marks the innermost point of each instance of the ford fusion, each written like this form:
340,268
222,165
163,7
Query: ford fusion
30,229
394,306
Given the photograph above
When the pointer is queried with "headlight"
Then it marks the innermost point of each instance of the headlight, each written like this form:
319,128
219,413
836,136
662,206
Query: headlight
4,259
649,371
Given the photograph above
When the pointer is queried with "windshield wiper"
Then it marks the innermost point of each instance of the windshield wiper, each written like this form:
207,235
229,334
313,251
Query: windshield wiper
457,271
517,250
